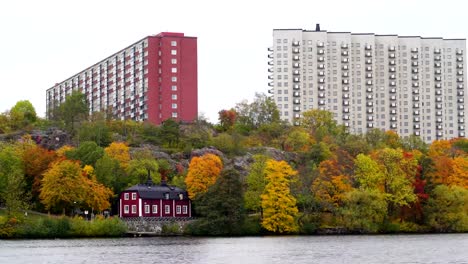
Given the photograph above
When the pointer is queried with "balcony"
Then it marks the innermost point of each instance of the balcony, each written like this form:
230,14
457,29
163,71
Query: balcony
438,99
270,63
370,125
391,55
459,66
437,51
345,110
344,60
369,104
459,52
296,86
344,46
296,72
416,91
438,92
296,79
393,112
414,50
415,70
368,75
344,53
393,105
345,88
270,77
459,73
460,100
321,73
345,96
415,84
461,107
461,113
393,118
460,93
416,112
416,119
320,52
368,47
295,43
460,86
369,82
460,79
295,57
345,102
416,126
369,61
321,66
438,106
296,94
438,85
393,126
416,105
461,120
320,59
346,117
344,67
296,109
345,81
296,101
391,48
393,90
414,56
270,84
461,134
321,102
320,44
392,83
414,64
415,77
392,76
368,54
460,59
270,69
438,71
391,62
368,68
270,91
344,74
321,87
369,89
270,56
321,95
391,69
417,133
370,118
437,64
370,111
439,120
321,80
437,58
438,113
270,48
295,50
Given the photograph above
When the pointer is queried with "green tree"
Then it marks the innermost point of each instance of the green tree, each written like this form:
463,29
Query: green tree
139,167
88,153
96,131
22,114
12,182
447,209
364,210
109,172
74,110
320,124
279,206
170,133
221,207
256,183
261,111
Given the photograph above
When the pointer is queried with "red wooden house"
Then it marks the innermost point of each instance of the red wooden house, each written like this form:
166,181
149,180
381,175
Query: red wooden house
150,200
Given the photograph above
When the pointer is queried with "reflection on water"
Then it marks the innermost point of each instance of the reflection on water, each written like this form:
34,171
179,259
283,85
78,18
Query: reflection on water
449,248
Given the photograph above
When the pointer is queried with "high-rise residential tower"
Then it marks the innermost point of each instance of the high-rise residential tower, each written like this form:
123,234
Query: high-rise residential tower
409,84
153,79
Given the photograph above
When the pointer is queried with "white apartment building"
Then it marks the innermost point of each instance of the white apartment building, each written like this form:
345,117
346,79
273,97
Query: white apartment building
409,84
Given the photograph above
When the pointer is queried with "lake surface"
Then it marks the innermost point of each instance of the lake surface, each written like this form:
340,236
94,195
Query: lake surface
445,248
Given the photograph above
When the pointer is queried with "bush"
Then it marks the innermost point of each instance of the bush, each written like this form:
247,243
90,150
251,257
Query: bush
170,229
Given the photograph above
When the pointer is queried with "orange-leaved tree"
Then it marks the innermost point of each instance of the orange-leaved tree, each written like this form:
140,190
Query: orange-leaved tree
202,173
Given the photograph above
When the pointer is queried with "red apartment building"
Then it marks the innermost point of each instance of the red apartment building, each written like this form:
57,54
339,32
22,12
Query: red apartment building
151,80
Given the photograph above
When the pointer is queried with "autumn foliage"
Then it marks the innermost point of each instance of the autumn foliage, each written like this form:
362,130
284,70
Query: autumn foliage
202,173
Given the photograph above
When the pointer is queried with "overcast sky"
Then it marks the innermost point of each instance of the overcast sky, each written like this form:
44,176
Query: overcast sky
44,42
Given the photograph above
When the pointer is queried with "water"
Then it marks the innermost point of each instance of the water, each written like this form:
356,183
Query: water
447,248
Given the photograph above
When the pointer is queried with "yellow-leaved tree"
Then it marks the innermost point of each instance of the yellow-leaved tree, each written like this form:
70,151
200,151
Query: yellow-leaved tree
202,173
120,152
279,206
66,185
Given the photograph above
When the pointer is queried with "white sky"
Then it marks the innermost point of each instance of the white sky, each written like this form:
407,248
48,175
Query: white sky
44,42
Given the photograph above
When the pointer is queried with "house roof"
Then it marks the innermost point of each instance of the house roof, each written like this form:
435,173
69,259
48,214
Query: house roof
153,191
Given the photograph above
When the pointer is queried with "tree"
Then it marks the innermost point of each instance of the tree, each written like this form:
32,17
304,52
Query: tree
138,168
298,140
320,124
170,133
36,161
202,173
12,182
87,153
256,183
447,209
120,152
279,206
96,131
72,111
364,210
22,114
109,172
261,111
62,186
227,119
65,184
221,206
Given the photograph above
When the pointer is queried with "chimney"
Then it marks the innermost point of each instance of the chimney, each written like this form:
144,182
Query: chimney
317,27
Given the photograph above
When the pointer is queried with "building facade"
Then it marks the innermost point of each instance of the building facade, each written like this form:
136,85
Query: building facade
150,200
153,79
409,84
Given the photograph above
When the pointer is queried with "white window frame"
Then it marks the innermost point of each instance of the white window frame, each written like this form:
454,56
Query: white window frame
174,70
174,115
174,106
147,209
174,78
155,208
173,43
167,209
134,196
178,209
174,61
126,209
184,209
134,209
174,87
174,96
126,196
173,52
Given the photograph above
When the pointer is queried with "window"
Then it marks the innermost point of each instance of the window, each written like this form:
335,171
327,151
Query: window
174,88
167,209
174,61
134,209
174,79
173,43
174,106
166,196
184,209
178,209
174,70
126,209
174,114
174,97
155,209
126,196
133,196
174,52
147,209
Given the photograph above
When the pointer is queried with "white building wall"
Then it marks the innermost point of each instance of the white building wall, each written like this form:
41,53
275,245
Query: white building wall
411,85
